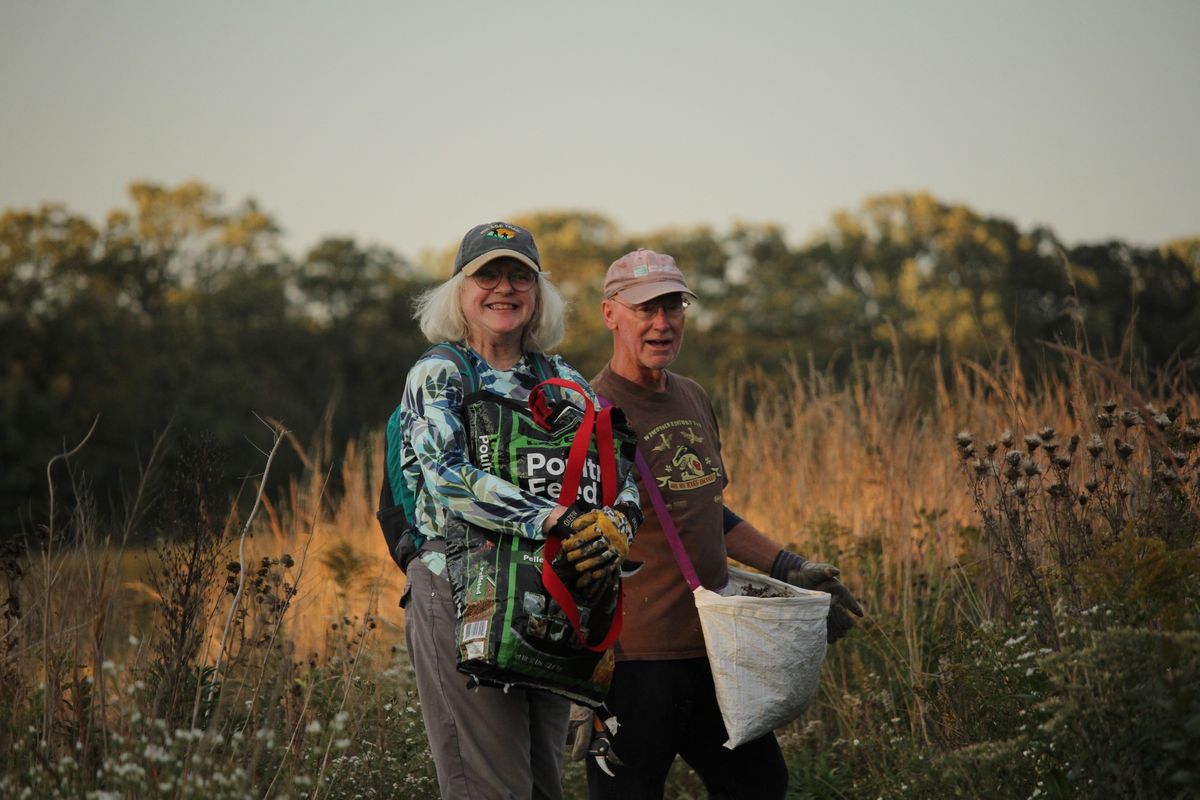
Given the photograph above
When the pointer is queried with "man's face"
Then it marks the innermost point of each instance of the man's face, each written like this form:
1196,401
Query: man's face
647,336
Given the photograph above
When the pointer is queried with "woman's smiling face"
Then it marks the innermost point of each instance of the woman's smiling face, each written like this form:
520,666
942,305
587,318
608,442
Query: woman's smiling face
499,313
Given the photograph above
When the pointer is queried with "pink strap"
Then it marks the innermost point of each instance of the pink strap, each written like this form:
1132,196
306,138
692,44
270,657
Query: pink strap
664,516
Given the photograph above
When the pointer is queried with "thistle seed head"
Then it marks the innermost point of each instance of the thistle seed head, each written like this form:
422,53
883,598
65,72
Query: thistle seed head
1013,458
1129,418
1095,445
963,438
1167,475
1006,438
1046,433
1109,406
1032,442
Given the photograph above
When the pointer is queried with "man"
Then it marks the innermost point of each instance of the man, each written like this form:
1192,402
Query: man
662,692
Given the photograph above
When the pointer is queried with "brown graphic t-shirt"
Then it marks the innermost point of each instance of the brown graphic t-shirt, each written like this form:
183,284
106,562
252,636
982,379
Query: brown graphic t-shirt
678,436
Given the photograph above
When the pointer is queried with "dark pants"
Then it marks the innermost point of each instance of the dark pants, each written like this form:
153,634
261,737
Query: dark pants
669,708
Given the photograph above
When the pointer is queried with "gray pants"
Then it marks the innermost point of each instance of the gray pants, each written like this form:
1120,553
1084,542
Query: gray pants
487,744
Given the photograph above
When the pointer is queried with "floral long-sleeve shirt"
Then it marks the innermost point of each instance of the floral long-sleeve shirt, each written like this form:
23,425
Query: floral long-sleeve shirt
427,450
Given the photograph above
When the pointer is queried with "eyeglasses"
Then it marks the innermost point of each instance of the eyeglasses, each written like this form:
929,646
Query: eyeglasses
519,278
672,306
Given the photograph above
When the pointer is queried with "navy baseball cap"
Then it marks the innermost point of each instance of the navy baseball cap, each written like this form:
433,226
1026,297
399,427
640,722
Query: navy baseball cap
493,240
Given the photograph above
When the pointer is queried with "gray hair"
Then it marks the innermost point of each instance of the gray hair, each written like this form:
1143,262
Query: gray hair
440,315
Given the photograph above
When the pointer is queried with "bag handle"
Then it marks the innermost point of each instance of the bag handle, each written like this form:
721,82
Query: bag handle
664,516
569,490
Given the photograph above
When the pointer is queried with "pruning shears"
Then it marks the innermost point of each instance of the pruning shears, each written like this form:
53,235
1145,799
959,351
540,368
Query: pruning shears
600,747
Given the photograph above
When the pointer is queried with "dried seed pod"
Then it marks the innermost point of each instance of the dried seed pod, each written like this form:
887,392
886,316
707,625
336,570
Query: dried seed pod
1046,433
980,466
990,447
1167,475
1073,444
234,566
1049,446
1006,438
963,438
1105,421
1162,420
1083,500
1095,445
1124,449
1030,468
1032,442
1020,488
287,560
1109,406
1013,458
1062,462
1058,490
1091,484
1130,418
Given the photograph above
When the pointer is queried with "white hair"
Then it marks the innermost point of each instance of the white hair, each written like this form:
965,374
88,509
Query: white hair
440,315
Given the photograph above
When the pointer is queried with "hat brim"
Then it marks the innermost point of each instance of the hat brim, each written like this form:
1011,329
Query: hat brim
642,292
472,266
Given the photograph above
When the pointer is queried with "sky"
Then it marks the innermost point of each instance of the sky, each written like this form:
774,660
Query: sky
403,124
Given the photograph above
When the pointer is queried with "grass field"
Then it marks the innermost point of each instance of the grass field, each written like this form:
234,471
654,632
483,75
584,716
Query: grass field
1031,596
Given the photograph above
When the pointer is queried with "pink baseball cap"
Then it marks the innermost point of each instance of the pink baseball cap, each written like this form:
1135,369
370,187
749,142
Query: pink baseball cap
644,275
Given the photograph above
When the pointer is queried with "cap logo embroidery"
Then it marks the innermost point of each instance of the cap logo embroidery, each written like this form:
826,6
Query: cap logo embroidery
640,271
501,232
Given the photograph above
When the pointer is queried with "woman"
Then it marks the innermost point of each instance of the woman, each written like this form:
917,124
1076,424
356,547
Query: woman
502,312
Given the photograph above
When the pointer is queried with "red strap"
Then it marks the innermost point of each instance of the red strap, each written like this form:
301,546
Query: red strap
569,490
606,448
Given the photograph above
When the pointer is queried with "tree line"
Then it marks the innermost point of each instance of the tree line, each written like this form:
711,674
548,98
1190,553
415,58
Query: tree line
182,311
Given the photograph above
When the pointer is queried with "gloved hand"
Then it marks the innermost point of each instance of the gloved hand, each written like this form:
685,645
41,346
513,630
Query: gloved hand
596,548
823,578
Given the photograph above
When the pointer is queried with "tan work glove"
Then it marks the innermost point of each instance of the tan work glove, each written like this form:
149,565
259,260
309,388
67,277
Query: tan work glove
596,549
